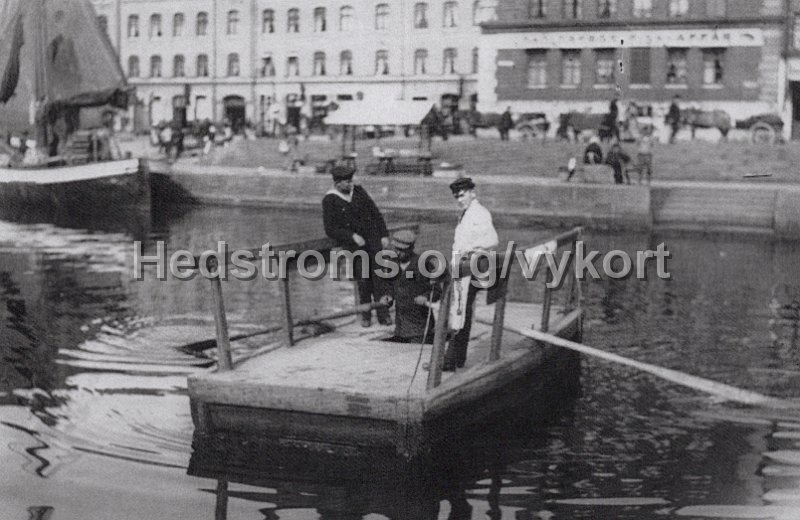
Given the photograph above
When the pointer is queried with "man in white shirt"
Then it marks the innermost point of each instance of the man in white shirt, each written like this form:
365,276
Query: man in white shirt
474,232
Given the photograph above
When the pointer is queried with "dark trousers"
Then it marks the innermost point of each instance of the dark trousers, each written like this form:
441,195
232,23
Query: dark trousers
674,132
372,288
456,354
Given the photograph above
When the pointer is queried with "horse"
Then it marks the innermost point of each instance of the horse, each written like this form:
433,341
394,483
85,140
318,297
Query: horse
696,118
573,123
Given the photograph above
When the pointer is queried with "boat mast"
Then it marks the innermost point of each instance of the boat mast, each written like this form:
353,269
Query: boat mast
41,87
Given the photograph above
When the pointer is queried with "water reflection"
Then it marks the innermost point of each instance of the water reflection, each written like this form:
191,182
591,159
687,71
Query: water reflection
465,477
91,405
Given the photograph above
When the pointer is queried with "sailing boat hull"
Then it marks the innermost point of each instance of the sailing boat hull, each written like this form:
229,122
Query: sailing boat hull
88,188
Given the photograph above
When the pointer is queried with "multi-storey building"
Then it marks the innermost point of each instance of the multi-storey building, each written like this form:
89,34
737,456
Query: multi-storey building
554,56
792,109
198,59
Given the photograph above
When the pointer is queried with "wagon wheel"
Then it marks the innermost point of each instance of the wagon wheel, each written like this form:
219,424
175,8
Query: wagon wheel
762,133
527,132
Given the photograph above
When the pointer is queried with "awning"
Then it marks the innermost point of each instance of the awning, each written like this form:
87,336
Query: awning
379,112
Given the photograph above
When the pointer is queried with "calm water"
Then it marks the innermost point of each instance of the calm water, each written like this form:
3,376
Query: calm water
94,419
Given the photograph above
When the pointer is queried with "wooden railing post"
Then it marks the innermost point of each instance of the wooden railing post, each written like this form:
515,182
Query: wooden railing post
570,296
221,510
546,303
439,338
497,326
500,313
220,320
286,299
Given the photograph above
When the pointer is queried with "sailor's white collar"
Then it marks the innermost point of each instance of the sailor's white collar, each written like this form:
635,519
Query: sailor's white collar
346,198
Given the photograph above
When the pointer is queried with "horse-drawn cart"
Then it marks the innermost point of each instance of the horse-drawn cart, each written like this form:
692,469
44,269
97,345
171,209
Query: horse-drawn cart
528,124
764,128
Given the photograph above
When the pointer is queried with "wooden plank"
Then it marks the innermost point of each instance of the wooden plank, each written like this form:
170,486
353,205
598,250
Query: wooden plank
288,321
439,338
287,424
220,321
320,400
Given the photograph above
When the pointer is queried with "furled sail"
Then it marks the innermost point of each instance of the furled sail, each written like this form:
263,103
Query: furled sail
54,55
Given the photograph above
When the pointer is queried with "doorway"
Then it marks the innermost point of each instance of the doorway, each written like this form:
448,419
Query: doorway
234,111
179,111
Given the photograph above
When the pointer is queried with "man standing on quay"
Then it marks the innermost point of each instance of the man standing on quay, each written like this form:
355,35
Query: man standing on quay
354,222
673,118
474,232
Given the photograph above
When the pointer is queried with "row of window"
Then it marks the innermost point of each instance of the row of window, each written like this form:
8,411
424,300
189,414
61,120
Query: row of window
573,9
320,66
606,65
346,19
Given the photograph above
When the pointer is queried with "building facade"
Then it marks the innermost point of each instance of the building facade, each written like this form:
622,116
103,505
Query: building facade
555,56
792,108
215,59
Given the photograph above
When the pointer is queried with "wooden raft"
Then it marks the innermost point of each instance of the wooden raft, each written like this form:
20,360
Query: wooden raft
349,387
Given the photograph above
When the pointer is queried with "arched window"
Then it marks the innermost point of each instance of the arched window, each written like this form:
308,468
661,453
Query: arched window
420,15
606,8
381,16
202,24
155,26
537,8
642,8
449,61
177,24
475,61
202,66
292,66
346,63
678,8
155,66
346,18
293,20
320,22
319,63
178,66
268,21
382,63
420,61
233,64
233,22
267,67
449,14
102,22
133,66
486,11
133,26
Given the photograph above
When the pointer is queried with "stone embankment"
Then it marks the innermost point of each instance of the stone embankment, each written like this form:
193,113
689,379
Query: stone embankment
692,206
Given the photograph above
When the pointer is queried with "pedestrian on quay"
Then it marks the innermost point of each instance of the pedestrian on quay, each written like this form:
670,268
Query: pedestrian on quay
673,118
413,292
474,233
593,154
617,159
644,154
165,138
505,124
613,119
177,139
354,222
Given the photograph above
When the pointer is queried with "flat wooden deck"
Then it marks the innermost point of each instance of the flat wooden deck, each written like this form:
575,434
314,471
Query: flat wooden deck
352,372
